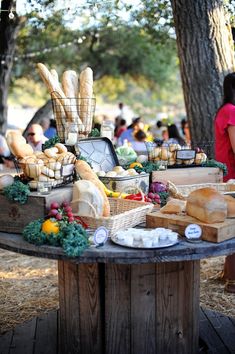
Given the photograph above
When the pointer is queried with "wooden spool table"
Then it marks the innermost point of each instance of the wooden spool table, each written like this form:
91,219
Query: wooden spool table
116,300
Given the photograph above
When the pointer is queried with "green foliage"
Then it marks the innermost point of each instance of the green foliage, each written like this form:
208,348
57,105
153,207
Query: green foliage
94,133
51,142
32,233
17,192
72,237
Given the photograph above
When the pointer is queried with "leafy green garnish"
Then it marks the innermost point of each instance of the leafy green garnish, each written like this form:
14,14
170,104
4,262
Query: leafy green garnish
72,237
94,133
51,142
17,192
148,167
33,234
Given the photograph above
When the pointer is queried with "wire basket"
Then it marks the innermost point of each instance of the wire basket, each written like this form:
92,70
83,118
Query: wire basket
73,116
174,155
57,171
124,213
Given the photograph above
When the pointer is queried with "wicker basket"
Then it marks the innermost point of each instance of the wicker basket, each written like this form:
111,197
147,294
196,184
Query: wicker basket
124,213
220,187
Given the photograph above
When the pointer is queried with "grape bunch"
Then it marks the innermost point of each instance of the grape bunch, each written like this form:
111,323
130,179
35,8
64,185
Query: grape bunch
61,212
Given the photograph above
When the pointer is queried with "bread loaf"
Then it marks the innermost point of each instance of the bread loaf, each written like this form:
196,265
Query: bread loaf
85,172
207,205
230,206
87,199
174,206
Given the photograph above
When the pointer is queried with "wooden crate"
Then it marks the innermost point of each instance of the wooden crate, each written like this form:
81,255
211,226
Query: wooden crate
217,232
14,216
189,175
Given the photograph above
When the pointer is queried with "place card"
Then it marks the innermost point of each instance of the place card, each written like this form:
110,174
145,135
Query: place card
193,233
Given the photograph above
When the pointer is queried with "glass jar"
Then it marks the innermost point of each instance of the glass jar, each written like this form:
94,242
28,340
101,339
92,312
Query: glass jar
106,131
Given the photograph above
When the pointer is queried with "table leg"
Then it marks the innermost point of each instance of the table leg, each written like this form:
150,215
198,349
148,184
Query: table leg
129,309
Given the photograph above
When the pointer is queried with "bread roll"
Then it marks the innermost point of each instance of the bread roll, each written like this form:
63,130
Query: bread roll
17,145
174,206
207,205
230,206
85,172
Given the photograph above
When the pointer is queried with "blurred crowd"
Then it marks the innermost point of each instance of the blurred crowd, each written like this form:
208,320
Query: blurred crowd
120,130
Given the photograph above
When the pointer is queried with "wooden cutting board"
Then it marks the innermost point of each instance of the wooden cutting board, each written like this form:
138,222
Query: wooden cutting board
210,232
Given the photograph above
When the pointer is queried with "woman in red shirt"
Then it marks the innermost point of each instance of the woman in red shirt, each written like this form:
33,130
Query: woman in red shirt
224,126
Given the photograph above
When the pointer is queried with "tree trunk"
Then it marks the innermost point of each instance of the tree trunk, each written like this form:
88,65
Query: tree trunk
8,32
205,50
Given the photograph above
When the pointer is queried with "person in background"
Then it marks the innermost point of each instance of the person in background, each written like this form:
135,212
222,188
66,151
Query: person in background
138,144
122,128
157,130
119,117
128,134
174,135
186,131
51,131
224,128
35,137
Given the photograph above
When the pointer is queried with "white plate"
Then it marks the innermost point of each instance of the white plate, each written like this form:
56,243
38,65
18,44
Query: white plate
138,244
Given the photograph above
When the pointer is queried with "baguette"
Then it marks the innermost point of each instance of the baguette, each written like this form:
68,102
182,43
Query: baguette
207,205
86,94
85,172
56,92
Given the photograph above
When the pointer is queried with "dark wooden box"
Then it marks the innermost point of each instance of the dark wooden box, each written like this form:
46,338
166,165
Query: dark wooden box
14,216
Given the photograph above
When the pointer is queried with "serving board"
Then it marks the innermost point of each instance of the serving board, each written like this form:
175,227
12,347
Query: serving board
217,232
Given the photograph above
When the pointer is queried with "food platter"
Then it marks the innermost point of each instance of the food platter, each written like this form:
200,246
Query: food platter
146,239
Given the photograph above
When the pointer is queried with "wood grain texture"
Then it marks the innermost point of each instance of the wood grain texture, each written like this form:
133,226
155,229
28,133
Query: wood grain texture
91,294
177,299
189,175
46,334
14,216
216,232
143,309
117,309
69,323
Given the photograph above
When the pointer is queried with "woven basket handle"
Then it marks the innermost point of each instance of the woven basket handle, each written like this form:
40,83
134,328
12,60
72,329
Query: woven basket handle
136,188
88,203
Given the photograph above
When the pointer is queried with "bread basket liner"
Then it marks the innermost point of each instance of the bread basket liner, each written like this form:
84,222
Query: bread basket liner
124,213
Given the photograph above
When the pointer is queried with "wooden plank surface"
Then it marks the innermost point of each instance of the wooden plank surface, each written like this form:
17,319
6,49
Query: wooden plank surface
117,309
69,323
189,175
23,338
177,292
90,303
217,232
46,334
213,343
112,253
143,297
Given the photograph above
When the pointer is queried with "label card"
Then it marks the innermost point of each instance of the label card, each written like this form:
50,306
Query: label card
185,154
101,236
193,232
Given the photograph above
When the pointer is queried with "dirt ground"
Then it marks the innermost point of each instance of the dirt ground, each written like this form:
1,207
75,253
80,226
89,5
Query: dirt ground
28,287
